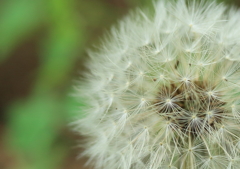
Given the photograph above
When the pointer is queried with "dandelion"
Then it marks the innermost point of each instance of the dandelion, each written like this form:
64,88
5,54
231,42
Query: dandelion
164,90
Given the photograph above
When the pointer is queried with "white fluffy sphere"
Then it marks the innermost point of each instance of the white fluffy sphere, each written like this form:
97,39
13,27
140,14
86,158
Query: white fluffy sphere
164,90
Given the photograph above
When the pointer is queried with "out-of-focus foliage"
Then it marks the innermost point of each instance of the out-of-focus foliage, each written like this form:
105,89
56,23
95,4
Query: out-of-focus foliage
17,19
34,127
67,27
34,122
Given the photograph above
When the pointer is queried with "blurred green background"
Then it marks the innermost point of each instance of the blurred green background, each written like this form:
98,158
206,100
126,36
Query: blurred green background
42,52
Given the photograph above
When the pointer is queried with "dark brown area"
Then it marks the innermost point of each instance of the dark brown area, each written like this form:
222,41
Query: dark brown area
17,74
194,103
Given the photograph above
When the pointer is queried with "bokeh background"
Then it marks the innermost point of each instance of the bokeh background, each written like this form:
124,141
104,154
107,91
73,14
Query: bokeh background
42,53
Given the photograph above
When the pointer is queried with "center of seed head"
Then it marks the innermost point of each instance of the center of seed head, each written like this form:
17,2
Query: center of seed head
209,113
210,93
185,79
193,109
168,100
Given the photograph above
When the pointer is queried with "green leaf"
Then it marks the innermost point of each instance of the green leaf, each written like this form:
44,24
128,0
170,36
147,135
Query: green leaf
17,19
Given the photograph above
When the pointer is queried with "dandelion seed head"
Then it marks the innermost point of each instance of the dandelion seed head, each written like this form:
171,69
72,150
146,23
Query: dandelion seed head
163,90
